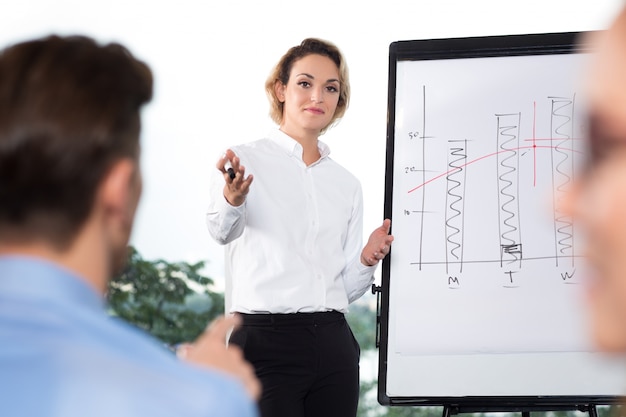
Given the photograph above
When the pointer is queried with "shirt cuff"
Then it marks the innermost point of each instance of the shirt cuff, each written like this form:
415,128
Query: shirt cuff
224,206
364,269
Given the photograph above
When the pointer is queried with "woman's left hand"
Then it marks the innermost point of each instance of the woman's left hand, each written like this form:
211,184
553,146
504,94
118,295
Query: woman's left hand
378,245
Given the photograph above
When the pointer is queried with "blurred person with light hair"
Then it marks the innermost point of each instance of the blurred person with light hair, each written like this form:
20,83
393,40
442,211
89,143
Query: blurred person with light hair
597,201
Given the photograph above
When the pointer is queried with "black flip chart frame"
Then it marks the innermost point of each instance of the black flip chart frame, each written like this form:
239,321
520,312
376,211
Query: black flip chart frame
445,49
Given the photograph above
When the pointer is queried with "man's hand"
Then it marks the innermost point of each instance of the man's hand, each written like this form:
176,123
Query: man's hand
210,350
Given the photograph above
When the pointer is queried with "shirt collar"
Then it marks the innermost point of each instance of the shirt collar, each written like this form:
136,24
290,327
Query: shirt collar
37,278
292,147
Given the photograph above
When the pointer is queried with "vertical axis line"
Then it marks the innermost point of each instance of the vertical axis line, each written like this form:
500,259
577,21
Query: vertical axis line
534,144
423,172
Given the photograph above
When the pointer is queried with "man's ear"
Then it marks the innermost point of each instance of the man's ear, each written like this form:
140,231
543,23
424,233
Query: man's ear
114,211
279,90
119,191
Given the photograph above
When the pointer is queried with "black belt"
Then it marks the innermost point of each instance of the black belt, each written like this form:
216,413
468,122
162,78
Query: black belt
291,319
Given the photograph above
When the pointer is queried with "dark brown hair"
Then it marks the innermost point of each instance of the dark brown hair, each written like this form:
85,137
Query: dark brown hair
282,70
69,108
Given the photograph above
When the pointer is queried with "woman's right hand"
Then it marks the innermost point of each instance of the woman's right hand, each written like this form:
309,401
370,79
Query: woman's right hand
236,186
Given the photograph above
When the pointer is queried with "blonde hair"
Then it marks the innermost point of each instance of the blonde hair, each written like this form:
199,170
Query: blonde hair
309,46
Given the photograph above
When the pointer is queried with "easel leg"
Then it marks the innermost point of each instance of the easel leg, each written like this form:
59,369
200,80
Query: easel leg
449,411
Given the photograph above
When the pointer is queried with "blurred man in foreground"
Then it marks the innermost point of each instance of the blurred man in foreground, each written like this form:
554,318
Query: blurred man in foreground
69,187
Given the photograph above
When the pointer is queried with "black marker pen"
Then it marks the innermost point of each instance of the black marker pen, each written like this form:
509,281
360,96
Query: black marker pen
230,170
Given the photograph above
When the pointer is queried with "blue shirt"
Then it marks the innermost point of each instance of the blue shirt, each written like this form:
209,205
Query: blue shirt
62,356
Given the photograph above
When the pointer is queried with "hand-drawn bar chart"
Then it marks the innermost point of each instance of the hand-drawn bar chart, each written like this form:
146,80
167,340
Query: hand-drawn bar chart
482,298
482,162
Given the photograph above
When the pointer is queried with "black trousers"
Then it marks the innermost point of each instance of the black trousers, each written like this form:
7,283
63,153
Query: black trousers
308,363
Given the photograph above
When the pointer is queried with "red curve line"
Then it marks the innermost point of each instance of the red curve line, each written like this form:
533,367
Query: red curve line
488,156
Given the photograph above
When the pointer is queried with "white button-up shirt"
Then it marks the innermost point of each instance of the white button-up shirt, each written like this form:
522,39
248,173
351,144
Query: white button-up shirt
295,244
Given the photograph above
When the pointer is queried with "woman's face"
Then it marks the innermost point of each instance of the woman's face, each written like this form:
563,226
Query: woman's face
598,201
310,96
